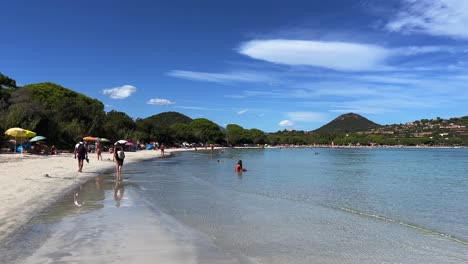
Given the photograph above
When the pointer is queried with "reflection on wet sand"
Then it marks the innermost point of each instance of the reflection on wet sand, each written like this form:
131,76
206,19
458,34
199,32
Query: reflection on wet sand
87,197
77,199
118,192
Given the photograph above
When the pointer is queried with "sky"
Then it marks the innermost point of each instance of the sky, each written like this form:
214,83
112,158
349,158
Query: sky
270,65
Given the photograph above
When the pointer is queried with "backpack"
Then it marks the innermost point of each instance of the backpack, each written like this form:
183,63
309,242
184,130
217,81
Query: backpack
81,149
120,154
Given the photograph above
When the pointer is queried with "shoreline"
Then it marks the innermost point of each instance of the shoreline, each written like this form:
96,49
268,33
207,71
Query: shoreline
33,182
167,238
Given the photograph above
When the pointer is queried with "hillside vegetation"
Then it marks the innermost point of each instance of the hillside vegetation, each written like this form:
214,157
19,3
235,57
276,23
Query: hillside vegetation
350,122
65,117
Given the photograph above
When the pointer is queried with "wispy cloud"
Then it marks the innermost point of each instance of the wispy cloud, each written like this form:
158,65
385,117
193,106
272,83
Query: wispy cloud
121,92
286,123
341,56
433,17
307,116
241,112
229,77
158,101
199,108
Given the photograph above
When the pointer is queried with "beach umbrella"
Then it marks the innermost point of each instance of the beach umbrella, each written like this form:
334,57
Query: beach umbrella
37,138
18,132
15,131
122,142
89,138
28,134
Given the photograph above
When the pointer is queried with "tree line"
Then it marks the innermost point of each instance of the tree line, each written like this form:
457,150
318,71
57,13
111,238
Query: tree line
64,117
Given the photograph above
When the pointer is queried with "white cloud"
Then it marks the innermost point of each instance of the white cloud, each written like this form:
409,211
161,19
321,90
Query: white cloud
433,17
241,112
341,56
286,123
201,108
307,116
416,50
158,101
121,92
221,77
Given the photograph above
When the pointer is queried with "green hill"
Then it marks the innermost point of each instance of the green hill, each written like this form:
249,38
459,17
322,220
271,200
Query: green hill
350,122
60,114
167,119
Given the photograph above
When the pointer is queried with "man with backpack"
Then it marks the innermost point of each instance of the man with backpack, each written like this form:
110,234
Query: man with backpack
81,152
119,156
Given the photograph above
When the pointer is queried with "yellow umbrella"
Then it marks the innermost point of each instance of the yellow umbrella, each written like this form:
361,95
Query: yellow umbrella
28,134
15,131
18,132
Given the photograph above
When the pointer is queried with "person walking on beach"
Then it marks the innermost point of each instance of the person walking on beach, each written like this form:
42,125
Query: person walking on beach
98,150
81,153
162,147
119,156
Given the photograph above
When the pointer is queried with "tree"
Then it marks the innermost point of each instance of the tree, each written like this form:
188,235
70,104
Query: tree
182,132
6,82
258,136
206,131
118,125
234,134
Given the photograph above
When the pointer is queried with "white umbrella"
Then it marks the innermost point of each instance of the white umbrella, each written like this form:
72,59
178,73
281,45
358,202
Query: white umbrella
122,142
37,138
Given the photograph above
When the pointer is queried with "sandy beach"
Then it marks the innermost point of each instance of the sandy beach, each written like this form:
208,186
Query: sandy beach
32,182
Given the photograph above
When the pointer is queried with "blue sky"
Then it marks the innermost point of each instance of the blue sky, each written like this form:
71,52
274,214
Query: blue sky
270,65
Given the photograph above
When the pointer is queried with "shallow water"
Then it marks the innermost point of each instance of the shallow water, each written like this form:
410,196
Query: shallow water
291,206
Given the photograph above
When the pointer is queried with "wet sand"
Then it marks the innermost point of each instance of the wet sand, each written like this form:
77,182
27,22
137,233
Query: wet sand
102,228
33,182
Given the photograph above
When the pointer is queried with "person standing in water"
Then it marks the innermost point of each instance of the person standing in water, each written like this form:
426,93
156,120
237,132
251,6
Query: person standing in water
239,167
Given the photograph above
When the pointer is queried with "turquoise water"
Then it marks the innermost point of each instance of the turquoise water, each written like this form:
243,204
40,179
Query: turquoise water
291,206
324,202
427,188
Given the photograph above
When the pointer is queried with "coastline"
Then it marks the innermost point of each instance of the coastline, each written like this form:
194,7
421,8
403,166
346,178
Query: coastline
33,182
168,239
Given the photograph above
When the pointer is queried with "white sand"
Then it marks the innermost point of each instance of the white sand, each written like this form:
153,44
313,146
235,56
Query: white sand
31,183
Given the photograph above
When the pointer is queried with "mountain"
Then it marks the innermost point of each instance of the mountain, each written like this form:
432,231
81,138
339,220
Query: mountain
167,119
350,122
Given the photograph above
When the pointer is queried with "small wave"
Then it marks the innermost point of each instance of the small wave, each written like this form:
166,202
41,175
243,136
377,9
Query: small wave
410,225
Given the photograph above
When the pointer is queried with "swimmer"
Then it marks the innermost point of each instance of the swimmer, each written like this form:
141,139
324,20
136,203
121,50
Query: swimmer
239,167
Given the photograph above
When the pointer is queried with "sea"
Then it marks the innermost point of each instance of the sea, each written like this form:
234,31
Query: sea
292,205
